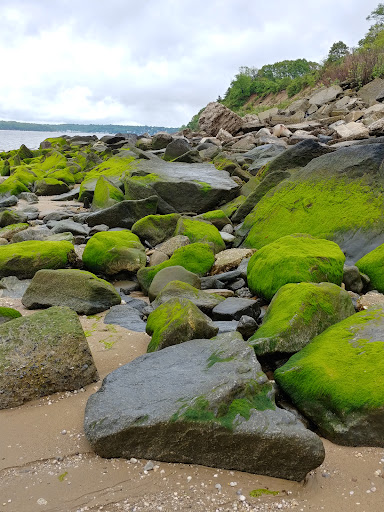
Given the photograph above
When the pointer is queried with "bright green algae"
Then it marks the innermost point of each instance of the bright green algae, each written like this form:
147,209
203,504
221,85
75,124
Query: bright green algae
294,259
106,194
299,312
197,258
200,231
341,368
156,228
372,264
322,208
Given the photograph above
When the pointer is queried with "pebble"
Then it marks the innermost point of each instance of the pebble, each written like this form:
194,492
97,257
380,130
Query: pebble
132,460
218,487
233,484
149,466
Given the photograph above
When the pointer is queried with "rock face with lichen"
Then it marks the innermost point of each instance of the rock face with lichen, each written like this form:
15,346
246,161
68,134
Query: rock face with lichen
217,409
42,354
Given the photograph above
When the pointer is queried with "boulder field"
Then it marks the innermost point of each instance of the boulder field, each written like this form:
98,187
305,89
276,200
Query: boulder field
260,248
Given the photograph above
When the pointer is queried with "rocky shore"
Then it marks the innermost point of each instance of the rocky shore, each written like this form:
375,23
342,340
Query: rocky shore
227,286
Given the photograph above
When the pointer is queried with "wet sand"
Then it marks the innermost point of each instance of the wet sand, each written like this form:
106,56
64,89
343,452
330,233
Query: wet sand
46,464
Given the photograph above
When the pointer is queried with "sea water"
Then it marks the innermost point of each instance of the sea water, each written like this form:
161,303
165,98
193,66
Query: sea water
13,139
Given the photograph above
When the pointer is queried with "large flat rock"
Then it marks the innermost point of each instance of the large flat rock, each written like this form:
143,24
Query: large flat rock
205,402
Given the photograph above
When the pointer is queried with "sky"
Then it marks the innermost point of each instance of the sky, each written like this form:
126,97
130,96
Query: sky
151,62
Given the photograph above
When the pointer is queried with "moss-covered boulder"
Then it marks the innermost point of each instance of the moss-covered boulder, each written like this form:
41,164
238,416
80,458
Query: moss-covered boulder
12,187
168,274
124,213
50,187
64,175
216,217
338,381
230,207
372,264
53,160
41,354
299,312
217,408
175,321
79,290
7,314
11,217
111,252
156,228
11,229
24,259
200,231
197,258
294,259
181,290
106,194
337,196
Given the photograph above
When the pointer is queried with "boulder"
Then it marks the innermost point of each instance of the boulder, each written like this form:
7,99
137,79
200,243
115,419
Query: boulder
176,321
215,217
126,316
267,114
169,246
182,290
106,194
369,92
297,156
111,252
197,258
161,140
50,187
229,259
299,312
200,231
217,407
376,128
168,274
336,196
246,326
180,187
156,228
352,131
123,214
9,217
233,308
337,380
325,95
69,226
216,116
294,259
372,264
352,279
12,229
24,259
176,148
79,290
261,155
42,354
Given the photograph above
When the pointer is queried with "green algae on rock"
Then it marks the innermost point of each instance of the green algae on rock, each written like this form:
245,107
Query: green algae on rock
176,321
24,259
81,291
216,217
112,252
337,380
11,229
372,264
299,312
41,354
197,258
7,314
293,259
106,194
156,228
178,289
200,231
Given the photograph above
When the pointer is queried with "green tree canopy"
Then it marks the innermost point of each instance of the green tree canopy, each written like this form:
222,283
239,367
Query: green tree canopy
337,51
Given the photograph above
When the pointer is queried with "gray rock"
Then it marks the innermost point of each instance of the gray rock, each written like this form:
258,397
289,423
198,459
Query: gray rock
246,326
69,226
325,95
126,316
42,354
261,155
46,188
298,155
31,212
72,194
352,279
193,381
8,217
13,287
169,246
235,308
8,201
123,214
176,148
216,116
81,291
161,140
226,326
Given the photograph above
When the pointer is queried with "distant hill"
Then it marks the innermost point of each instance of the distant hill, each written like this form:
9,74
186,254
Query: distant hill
85,128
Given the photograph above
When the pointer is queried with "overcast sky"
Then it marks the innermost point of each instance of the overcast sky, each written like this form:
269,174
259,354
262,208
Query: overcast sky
154,62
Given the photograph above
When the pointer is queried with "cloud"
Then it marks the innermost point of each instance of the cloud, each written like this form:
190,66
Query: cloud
152,62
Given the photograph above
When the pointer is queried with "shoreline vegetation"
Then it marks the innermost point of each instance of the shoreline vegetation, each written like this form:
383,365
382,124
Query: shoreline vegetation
85,128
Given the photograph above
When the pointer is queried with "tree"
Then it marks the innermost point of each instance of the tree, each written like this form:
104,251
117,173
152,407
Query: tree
337,51
377,15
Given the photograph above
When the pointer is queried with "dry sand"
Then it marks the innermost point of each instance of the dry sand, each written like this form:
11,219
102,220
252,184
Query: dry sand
46,464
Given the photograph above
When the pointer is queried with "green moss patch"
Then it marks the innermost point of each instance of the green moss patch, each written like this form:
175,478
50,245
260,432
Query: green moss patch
156,228
294,259
299,312
372,264
197,258
199,231
341,369
106,194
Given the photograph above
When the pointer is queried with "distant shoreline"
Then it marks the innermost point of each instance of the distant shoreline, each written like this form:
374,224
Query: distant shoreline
85,128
